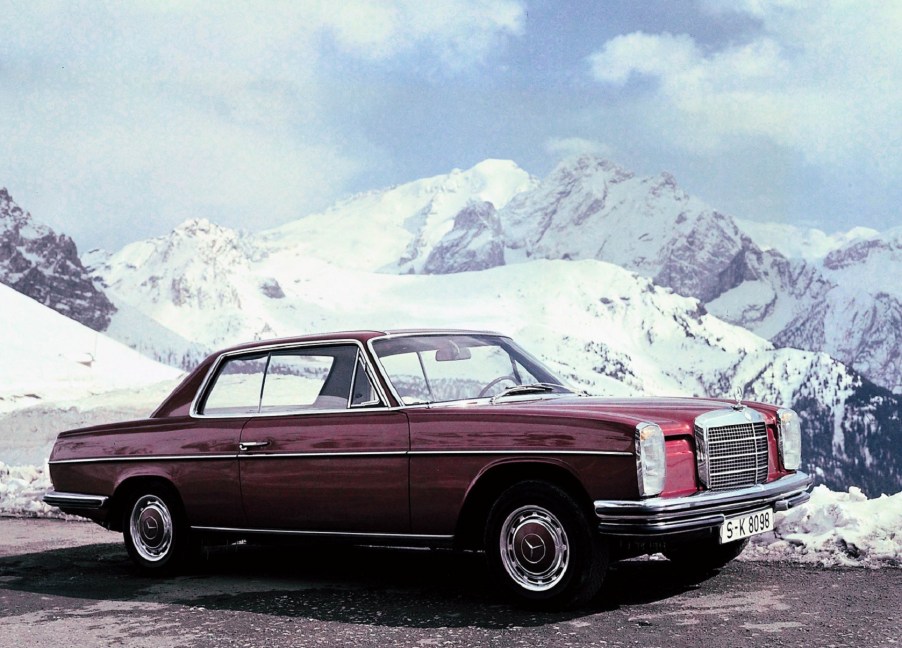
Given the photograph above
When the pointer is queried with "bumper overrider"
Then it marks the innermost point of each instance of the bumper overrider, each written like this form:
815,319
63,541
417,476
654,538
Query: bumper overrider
660,516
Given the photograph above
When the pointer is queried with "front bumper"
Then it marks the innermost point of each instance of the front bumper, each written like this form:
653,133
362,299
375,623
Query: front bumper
661,516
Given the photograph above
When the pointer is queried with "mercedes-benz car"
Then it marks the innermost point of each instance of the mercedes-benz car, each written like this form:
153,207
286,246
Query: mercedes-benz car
433,438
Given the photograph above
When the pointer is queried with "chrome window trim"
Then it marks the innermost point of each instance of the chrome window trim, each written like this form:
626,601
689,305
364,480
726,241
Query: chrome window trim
279,346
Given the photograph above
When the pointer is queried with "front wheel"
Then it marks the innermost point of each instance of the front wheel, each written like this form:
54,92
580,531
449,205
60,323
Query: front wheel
541,548
156,537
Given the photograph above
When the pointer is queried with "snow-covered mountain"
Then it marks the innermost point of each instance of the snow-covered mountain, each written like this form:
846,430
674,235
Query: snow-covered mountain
58,374
49,357
869,263
38,262
796,242
589,208
395,229
155,284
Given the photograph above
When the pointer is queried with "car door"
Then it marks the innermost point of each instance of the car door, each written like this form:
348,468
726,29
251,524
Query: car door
324,454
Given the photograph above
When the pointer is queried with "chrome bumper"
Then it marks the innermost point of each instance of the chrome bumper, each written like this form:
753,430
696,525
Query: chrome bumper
665,515
75,500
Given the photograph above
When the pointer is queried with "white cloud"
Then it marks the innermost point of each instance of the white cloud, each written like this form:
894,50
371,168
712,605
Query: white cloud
460,32
564,147
821,78
167,110
657,55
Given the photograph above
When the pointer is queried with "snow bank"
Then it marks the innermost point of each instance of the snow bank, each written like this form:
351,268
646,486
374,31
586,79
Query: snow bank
21,489
833,529
836,529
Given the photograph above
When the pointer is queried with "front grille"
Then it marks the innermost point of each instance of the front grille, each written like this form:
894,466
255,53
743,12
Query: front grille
732,455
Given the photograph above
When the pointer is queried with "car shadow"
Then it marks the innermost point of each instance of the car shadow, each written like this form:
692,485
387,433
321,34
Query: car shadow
364,585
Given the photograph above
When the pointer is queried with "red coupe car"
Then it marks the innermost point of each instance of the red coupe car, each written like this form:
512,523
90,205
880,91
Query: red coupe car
436,438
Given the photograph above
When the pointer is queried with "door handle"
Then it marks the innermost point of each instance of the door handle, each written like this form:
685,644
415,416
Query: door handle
250,445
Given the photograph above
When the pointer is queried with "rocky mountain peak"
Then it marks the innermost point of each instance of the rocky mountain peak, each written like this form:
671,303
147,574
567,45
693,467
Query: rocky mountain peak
43,265
202,239
587,166
474,242
888,244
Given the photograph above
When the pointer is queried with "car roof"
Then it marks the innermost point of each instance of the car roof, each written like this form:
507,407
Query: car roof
362,336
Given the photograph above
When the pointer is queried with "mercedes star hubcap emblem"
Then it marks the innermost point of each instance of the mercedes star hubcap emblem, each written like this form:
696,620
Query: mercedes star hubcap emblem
533,548
150,527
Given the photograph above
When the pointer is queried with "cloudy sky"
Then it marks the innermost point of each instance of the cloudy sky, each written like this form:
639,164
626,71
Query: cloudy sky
120,120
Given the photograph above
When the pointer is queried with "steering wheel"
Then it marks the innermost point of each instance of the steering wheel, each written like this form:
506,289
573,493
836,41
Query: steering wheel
485,390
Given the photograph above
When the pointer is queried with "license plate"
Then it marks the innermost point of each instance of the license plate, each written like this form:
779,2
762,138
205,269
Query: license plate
747,524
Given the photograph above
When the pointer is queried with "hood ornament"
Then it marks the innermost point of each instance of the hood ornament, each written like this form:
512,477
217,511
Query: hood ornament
738,406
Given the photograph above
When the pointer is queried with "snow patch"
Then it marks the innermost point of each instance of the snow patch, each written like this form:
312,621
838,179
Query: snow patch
21,490
836,529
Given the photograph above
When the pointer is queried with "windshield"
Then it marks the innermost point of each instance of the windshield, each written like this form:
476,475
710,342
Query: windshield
442,368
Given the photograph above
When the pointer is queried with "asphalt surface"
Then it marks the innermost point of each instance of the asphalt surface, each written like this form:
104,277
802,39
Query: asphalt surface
71,584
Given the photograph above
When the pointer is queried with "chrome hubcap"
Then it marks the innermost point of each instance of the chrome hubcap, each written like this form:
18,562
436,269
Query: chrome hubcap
150,525
534,548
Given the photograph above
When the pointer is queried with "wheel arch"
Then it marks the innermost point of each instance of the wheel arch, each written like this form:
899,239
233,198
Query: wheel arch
133,484
494,480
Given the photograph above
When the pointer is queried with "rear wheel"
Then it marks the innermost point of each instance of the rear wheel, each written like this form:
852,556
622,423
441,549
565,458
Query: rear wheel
541,548
156,536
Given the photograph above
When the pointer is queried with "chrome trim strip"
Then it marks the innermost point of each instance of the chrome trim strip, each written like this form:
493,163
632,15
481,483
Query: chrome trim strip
384,402
366,453
314,455
701,510
549,451
197,457
343,534
75,500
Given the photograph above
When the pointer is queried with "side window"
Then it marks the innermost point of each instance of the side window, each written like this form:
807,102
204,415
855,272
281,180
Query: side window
316,378
295,381
236,388
329,377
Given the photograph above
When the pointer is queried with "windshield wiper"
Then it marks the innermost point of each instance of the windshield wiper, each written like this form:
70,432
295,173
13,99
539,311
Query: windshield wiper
528,389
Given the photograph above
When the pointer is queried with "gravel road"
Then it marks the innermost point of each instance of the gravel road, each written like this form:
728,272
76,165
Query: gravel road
71,584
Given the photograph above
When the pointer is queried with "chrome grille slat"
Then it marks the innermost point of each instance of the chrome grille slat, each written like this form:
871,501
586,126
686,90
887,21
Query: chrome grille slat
731,453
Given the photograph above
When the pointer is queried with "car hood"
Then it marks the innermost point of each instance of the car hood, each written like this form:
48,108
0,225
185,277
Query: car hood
674,415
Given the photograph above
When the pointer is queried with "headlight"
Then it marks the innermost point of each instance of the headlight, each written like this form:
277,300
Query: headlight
651,459
789,431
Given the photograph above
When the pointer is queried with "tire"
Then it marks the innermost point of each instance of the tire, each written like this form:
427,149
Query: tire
705,556
153,526
541,548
